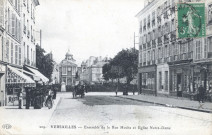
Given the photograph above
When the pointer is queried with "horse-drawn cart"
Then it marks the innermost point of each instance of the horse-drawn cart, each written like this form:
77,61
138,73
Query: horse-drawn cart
78,90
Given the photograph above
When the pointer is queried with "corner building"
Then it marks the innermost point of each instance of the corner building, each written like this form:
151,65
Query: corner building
168,65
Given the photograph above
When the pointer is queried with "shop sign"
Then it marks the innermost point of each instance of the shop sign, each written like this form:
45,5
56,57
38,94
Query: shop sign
179,70
12,100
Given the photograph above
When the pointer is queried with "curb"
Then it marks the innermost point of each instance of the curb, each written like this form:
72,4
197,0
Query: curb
166,105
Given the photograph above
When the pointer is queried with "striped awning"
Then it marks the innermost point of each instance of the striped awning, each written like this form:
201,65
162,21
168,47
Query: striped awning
14,76
38,76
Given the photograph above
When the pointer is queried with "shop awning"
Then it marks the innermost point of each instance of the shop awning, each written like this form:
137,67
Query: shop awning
38,75
15,76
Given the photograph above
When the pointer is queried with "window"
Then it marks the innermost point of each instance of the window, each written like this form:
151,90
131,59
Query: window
198,49
24,2
7,50
148,56
19,55
205,48
11,52
8,20
31,56
166,80
13,25
141,27
140,57
153,54
210,44
160,81
16,54
166,51
27,53
24,50
69,69
64,71
159,53
210,14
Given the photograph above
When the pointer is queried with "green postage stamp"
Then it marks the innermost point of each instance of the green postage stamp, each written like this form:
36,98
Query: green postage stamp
190,20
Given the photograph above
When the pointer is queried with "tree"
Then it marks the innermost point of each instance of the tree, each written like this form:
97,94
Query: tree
44,63
124,64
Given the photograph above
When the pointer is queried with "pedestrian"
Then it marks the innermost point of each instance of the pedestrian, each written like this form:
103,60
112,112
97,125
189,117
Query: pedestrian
201,94
20,98
116,90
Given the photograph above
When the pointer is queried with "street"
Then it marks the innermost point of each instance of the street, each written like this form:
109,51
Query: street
107,114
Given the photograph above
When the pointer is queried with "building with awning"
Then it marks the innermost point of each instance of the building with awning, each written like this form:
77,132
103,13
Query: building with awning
37,76
16,82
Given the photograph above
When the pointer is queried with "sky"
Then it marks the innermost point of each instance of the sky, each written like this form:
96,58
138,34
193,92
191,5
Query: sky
87,27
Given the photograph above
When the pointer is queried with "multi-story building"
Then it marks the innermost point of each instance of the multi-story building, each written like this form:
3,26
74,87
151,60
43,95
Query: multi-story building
68,69
28,32
92,69
170,65
17,24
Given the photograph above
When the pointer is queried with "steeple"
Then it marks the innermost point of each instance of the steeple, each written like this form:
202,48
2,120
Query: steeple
69,56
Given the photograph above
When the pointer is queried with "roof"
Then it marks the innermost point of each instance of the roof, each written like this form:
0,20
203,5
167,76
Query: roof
99,64
67,62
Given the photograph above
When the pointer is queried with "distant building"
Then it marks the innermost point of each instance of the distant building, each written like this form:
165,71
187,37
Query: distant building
68,69
92,69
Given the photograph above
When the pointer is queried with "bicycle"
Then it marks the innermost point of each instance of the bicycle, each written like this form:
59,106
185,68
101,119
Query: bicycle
49,102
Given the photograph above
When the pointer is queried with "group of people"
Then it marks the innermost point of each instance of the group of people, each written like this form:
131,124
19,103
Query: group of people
36,96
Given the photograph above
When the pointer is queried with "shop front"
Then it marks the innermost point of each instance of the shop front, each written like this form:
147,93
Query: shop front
181,82
16,85
147,80
203,76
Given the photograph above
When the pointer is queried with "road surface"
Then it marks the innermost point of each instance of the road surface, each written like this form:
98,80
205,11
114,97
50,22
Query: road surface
107,114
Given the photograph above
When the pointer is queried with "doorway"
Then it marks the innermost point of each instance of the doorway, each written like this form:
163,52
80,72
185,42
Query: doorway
179,85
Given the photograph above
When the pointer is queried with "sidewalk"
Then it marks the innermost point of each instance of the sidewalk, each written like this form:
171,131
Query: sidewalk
171,102
26,120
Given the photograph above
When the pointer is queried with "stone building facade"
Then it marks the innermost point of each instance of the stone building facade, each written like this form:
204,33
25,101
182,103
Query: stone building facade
169,65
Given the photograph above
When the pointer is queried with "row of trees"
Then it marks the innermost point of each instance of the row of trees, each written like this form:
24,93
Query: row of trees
44,62
124,64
